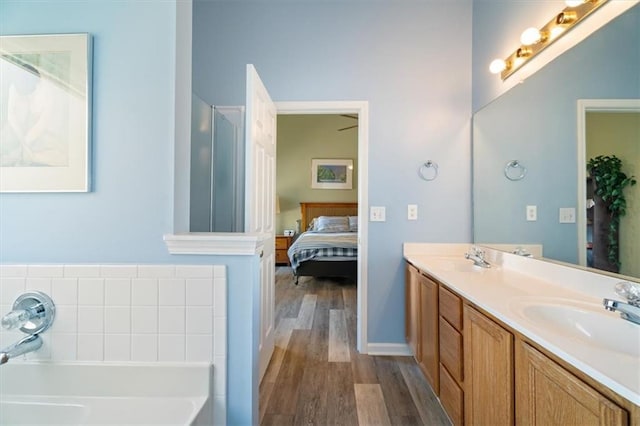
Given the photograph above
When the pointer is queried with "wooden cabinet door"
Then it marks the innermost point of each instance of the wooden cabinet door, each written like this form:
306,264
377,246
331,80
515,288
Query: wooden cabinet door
429,343
412,309
488,371
547,394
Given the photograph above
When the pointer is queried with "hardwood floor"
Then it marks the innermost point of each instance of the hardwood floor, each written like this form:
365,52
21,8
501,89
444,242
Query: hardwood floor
317,377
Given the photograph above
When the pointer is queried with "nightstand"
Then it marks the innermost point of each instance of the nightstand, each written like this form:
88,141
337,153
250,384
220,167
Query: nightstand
282,245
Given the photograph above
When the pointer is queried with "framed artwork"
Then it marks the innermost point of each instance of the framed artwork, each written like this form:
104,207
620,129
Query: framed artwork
331,173
45,113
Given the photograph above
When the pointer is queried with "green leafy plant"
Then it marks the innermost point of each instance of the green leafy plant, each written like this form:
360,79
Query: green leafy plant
610,182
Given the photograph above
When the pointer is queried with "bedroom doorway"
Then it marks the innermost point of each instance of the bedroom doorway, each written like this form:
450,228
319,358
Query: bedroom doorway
360,110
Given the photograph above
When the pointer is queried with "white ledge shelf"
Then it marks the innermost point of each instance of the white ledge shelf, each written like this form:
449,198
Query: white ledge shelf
215,243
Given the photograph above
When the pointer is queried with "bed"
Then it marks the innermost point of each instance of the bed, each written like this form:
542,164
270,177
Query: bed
325,254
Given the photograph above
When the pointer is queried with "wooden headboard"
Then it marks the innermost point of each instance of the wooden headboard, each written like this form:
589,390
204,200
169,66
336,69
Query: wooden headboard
313,210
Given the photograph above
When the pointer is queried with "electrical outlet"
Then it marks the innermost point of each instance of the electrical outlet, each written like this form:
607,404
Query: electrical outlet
412,212
532,213
378,214
567,215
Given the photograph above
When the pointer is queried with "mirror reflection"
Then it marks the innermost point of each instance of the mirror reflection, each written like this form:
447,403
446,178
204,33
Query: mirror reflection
536,124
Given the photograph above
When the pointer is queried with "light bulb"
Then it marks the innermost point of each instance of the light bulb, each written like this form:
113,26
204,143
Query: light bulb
497,66
573,3
530,36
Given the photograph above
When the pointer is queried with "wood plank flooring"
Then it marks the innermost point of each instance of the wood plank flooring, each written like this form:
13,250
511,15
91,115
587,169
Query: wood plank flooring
317,377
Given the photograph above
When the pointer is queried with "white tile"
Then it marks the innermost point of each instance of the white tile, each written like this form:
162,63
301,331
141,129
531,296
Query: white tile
90,347
199,347
144,347
144,319
66,320
46,271
220,336
10,289
117,347
171,292
82,271
219,376
117,291
90,319
118,271
219,298
64,291
144,292
194,271
39,284
171,347
90,291
199,292
220,410
156,271
199,320
171,319
9,337
117,319
64,347
13,271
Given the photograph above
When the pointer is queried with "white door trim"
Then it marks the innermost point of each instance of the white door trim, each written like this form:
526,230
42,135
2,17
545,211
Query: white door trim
362,109
584,106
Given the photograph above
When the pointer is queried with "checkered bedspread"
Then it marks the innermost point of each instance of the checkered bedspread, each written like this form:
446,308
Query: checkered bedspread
311,245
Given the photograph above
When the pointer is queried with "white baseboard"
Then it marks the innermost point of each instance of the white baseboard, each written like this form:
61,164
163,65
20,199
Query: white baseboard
395,349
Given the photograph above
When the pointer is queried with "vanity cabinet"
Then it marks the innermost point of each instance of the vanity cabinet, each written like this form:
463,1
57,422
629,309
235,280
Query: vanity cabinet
451,354
488,371
421,323
547,394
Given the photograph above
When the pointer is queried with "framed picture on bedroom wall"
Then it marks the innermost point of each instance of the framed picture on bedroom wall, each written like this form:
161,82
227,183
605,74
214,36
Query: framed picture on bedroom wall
45,124
331,173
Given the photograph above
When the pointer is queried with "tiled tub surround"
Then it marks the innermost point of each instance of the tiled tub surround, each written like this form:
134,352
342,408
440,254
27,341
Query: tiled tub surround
128,313
515,278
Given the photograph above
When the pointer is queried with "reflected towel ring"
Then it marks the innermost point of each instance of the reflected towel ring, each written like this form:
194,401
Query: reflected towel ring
514,165
429,165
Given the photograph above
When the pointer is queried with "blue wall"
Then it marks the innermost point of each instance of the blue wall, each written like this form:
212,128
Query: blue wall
413,66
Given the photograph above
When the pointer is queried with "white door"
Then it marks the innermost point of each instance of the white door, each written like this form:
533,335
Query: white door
260,199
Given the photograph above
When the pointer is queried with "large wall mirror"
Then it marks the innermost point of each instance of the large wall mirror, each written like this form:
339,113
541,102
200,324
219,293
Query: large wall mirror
536,123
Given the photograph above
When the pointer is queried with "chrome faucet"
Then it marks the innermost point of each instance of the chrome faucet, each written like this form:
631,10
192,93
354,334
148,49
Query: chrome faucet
32,313
629,311
477,256
31,343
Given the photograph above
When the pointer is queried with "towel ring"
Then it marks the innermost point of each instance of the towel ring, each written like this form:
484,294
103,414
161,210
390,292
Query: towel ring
514,165
429,165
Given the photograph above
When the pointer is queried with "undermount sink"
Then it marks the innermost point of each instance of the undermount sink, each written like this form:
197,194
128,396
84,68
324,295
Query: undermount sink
461,265
584,321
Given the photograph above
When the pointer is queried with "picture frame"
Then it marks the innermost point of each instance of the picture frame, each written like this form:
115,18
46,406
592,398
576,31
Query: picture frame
45,113
331,173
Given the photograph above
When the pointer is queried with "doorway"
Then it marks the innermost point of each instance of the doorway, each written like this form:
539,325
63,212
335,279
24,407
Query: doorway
601,112
359,108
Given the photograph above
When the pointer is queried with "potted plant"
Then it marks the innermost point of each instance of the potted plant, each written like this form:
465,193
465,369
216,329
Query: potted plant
610,182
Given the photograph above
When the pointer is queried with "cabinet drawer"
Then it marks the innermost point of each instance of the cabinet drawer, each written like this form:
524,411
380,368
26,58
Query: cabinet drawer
281,256
451,349
451,308
451,397
282,243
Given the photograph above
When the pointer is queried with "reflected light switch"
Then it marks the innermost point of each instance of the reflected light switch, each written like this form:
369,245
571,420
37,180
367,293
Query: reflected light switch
378,214
567,215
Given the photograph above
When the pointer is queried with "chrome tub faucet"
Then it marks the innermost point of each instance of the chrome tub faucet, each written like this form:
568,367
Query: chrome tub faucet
33,312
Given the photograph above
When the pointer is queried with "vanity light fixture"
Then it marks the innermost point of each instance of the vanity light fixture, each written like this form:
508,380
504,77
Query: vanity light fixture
534,40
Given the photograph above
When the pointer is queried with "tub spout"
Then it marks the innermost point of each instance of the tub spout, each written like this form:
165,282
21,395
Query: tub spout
31,343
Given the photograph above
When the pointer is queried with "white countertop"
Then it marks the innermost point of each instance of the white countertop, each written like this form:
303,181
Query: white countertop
514,280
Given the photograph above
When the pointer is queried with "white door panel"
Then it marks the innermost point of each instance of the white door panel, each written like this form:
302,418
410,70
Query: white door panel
260,196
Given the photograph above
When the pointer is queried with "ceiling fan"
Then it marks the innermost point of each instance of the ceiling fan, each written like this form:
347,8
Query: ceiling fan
355,117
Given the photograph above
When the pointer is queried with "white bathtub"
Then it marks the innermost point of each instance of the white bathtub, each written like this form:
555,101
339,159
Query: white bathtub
116,394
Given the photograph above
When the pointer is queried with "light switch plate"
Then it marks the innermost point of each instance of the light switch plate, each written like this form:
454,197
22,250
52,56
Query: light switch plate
567,215
378,214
